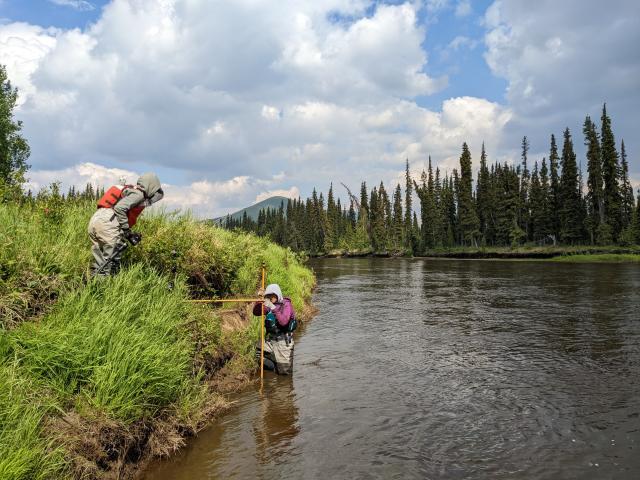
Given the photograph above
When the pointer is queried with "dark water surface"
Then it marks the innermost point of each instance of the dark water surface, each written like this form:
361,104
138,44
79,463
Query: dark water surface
433,369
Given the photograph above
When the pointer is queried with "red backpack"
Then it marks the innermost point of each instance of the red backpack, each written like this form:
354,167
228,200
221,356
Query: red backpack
112,196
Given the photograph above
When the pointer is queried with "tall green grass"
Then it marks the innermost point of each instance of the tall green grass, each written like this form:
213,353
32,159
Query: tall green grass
599,258
117,342
24,453
40,257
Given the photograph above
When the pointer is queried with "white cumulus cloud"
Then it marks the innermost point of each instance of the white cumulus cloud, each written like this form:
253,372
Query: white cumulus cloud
81,5
562,61
463,8
204,197
79,175
22,48
293,193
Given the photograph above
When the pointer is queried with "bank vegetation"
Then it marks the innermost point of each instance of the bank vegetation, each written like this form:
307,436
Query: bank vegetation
97,376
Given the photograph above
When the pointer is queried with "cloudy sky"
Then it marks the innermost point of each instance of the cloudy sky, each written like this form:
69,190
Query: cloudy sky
233,101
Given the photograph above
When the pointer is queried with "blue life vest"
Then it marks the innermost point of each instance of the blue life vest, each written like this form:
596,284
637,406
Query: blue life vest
270,323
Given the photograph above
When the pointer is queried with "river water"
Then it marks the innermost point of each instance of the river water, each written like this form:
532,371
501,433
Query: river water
434,369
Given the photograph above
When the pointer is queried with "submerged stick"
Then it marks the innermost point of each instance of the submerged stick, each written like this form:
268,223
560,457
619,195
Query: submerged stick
262,330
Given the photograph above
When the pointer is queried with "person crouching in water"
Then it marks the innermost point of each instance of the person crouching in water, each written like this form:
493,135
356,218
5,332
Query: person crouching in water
118,211
280,322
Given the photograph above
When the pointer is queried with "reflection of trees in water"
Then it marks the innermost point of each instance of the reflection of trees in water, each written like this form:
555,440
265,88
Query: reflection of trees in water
277,425
607,313
596,303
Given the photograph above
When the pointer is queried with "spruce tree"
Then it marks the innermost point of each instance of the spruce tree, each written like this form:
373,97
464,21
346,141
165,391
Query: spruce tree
626,188
388,218
508,232
554,184
316,224
454,187
374,211
351,216
468,218
309,232
491,206
398,220
361,240
422,192
582,218
382,218
331,222
503,225
341,221
279,229
446,239
433,206
245,221
428,212
545,227
321,220
536,201
610,176
415,234
637,220
408,207
523,214
483,195
439,216
595,193
570,213
364,212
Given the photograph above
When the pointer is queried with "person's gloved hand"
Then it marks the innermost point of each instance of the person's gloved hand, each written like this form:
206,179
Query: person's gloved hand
268,304
132,237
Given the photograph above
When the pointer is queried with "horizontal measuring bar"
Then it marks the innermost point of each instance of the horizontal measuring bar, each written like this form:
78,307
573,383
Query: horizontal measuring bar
230,300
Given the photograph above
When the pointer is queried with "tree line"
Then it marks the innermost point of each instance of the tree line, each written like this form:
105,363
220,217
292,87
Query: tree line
508,205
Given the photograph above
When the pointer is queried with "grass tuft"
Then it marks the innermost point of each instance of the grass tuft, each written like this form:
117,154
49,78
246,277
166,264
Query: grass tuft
24,454
599,258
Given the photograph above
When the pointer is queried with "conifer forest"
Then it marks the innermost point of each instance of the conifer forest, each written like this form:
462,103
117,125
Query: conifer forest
547,202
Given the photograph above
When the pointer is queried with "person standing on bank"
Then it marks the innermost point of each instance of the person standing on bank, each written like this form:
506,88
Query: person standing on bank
118,211
280,322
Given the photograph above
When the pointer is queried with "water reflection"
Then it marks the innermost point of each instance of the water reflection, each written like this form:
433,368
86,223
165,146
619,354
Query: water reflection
277,425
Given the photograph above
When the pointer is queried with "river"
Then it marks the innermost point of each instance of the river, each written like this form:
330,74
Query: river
444,369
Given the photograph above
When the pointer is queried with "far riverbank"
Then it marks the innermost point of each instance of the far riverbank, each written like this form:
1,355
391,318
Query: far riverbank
572,254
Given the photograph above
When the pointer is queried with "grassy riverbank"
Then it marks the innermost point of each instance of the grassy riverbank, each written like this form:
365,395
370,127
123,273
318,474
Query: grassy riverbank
96,378
557,253
599,258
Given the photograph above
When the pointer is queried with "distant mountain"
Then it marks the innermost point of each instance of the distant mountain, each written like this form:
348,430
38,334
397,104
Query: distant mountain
254,210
